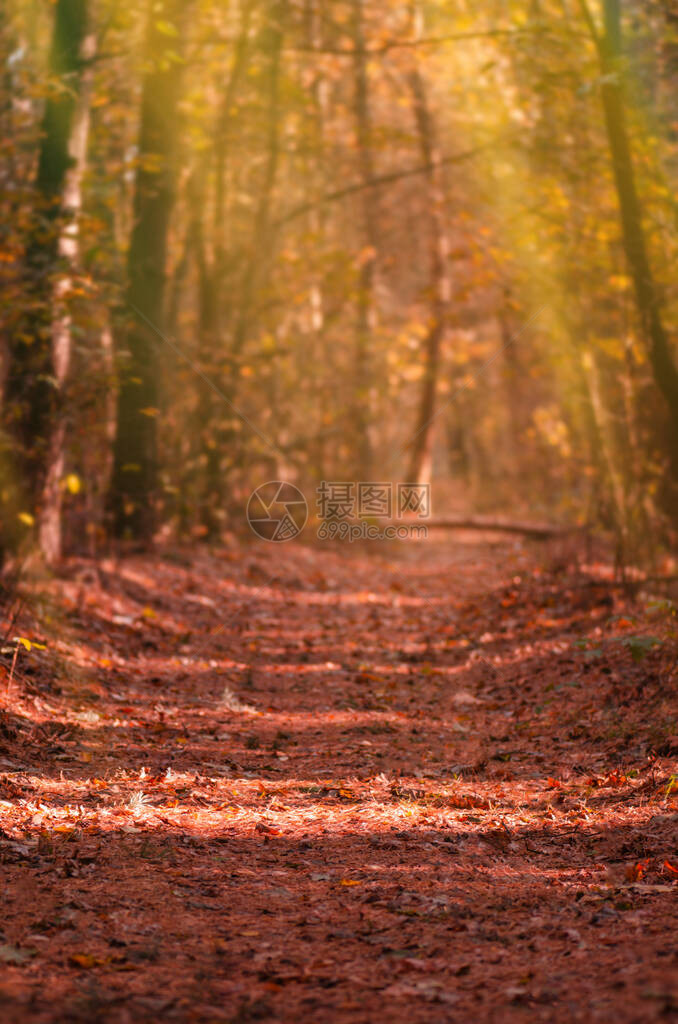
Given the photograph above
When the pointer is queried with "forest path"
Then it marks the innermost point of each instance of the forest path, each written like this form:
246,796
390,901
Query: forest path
430,783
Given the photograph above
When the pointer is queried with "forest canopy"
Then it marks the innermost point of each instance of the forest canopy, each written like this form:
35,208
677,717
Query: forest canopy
335,239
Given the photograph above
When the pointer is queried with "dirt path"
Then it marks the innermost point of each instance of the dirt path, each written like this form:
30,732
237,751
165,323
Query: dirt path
295,785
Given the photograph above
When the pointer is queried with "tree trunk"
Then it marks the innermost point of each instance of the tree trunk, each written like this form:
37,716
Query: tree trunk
49,523
365,319
221,144
41,347
133,495
648,301
608,448
317,172
422,443
210,491
271,47
214,437
252,283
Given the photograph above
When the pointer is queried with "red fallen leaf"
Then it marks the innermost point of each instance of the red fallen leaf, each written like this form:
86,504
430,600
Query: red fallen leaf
615,778
367,677
553,783
466,802
268,830
417,964
670,868
635,872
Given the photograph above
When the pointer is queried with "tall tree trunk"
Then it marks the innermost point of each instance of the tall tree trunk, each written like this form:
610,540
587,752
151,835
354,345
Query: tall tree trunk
258,260
221,145
214,438
317,173
422,443
365,319
41,347
608,448
49,523
648,301
209,484
133,497
271,39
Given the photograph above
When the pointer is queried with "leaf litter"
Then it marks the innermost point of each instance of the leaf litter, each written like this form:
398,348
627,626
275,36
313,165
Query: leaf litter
429,785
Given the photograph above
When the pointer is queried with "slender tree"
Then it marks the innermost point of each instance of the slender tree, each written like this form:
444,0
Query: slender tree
365,318
133,497
258,258
439,279
49,523
213,315
40,348
647,294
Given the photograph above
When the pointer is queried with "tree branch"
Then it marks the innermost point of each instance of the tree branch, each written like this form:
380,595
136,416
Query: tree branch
591,25
538,531
454,37
385,179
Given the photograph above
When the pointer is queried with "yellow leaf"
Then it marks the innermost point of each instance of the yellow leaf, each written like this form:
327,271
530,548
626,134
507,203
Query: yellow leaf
148,613
26,518
350,881
28,644
73,483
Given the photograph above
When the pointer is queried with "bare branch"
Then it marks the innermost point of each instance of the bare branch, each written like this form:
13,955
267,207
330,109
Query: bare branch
386,179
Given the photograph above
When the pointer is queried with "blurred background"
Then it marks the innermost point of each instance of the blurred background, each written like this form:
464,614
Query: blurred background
245,240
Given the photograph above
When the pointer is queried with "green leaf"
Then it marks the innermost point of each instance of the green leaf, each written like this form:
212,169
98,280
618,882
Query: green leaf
14,955
639,646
